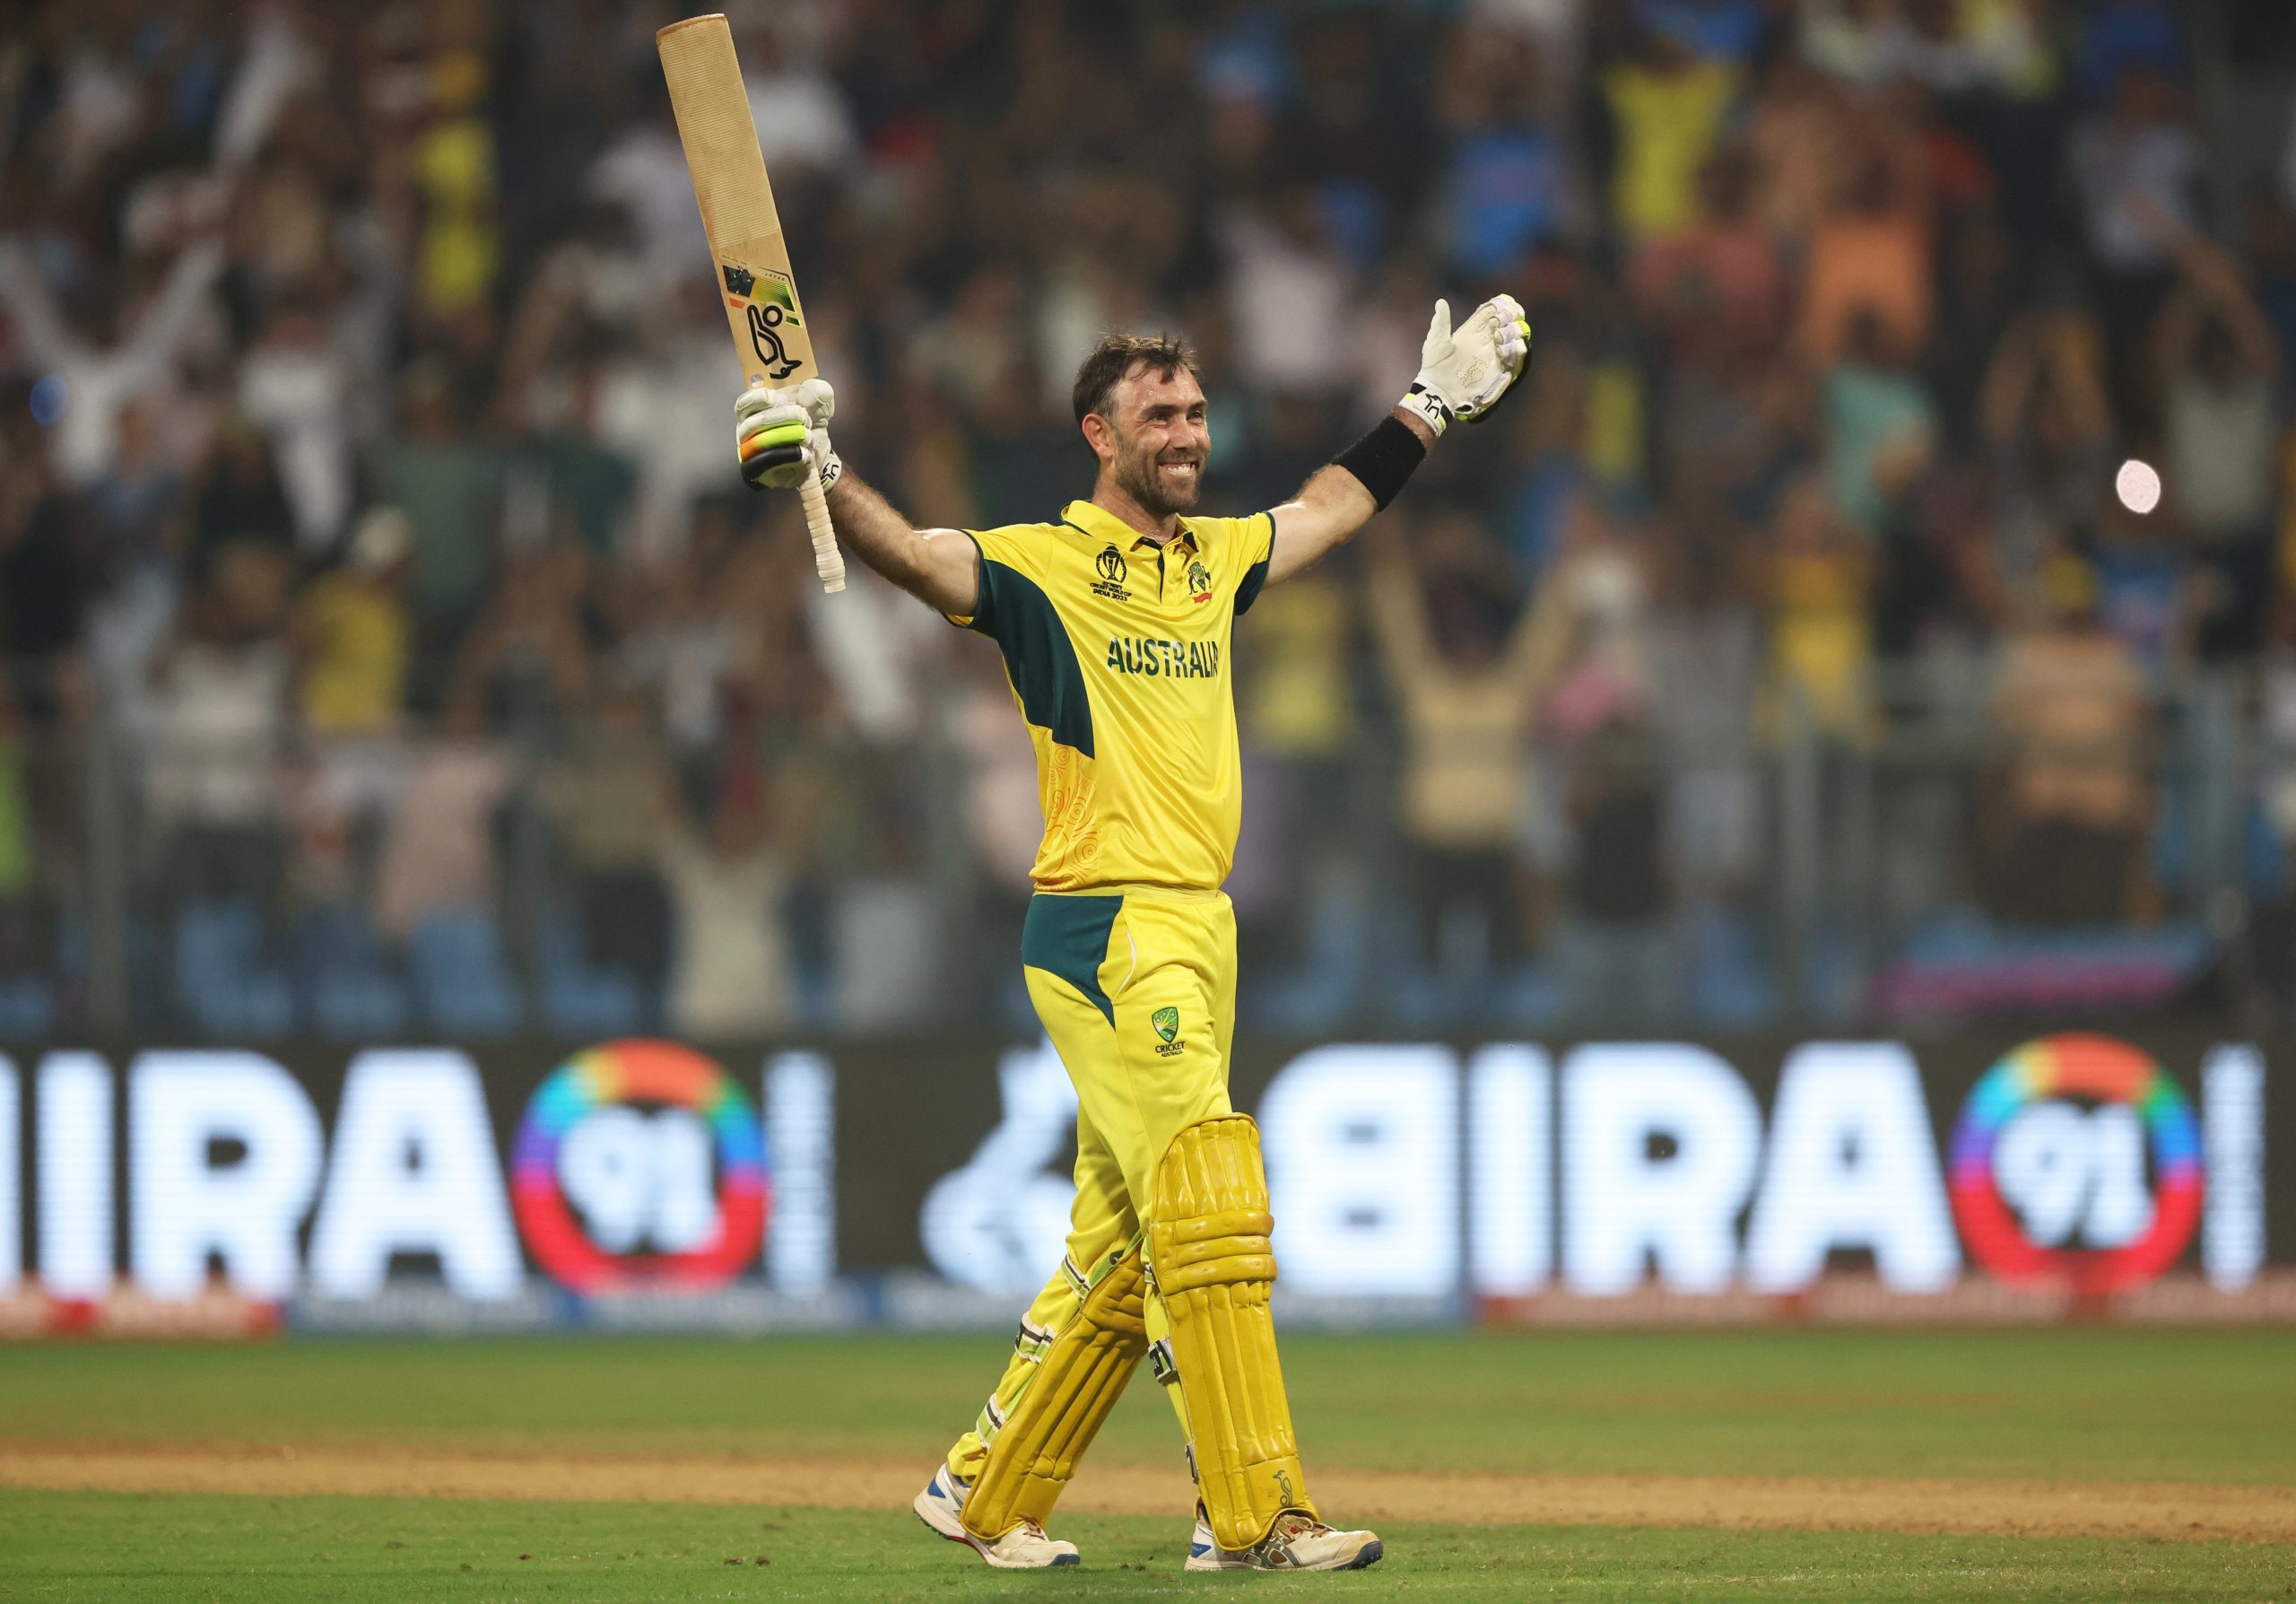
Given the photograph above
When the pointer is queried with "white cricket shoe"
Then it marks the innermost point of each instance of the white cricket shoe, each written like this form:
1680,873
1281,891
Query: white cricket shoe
1026,1547
1296,1542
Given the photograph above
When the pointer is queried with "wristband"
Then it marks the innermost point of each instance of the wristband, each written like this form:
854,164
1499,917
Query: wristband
1384,459
1429,406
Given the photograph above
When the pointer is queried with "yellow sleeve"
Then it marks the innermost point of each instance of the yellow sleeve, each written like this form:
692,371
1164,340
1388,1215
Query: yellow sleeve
1253,540
1014,552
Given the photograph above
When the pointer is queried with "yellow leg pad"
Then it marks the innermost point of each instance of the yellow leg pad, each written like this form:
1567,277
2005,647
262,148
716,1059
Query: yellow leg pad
1214,1269
1053,1421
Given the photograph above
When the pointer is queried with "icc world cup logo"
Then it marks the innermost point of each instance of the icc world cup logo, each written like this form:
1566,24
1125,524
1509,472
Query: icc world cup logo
1111,565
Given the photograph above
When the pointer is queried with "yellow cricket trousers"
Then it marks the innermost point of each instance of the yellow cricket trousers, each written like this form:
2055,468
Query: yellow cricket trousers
1137,991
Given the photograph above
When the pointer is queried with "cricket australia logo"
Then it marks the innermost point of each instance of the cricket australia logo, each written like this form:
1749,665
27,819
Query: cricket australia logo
770,306
1112,569
1199,582
1166,1022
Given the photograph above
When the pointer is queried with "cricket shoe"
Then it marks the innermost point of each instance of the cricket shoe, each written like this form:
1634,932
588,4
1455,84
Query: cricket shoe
1296,1542
1026,1547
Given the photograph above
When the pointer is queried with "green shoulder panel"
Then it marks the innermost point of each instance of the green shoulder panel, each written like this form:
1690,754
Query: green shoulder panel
1015,612
1248,587
1068,936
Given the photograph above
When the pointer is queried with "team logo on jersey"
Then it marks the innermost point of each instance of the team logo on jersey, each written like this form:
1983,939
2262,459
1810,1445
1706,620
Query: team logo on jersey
1166,1022
1112,568
1199,582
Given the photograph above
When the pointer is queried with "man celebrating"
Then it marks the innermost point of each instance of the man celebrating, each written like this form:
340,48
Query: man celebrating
1115,622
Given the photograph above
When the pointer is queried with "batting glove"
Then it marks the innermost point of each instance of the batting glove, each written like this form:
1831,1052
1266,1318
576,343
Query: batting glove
782,435
1464,372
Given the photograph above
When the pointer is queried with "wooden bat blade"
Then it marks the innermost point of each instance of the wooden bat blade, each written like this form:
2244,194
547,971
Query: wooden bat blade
746,248
712,106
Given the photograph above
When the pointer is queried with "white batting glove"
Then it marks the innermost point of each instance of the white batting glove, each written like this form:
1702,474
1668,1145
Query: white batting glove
1464,372
782,435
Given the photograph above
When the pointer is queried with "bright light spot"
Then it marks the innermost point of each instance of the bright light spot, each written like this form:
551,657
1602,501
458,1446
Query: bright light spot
49,394
2137,485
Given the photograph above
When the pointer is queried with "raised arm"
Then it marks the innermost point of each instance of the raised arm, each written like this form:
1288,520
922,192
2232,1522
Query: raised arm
1334,503
783,435
24,298
939,567
1462,374
2210,283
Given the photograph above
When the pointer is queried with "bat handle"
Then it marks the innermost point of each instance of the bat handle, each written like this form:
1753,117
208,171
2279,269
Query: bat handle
828,561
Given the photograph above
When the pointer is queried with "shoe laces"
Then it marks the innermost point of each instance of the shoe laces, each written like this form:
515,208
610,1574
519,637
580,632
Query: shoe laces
1293,1525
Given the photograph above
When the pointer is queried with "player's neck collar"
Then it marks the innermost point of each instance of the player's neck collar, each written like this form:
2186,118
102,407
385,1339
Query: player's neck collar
1092,519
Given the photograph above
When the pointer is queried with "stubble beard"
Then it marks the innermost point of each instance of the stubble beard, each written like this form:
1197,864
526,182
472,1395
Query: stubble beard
1136,476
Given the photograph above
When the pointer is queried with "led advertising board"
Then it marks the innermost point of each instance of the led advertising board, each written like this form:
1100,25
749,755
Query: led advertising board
1435,1176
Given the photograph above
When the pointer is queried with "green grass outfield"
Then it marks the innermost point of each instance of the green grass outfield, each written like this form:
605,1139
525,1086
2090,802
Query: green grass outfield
2059,1407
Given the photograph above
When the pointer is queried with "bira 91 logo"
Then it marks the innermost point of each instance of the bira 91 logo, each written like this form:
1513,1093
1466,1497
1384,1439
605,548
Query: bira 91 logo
640,1165
2077,1161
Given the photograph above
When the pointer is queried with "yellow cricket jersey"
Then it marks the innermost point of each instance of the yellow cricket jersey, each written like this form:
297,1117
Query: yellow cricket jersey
1117,650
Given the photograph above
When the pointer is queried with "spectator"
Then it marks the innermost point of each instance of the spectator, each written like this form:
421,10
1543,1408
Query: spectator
1616,964
1720,273
240,498
605,796
25,940
439,853
2136,168
527,660
1880,425
731,978
1869,253
2220,362
2119,39
1287,286
356,633
1819,585
295,385
2070,704
448,482
2047,425
153,317
44,583
1464,695
1508,185
2146,596
1666,107
222,705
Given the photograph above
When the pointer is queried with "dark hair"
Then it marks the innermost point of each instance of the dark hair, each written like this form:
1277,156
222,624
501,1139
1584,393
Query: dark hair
1114,357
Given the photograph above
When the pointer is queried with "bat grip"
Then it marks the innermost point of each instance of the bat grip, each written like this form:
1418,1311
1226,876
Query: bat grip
828,561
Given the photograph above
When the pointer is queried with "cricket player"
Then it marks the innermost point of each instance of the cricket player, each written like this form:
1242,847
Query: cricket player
1116,619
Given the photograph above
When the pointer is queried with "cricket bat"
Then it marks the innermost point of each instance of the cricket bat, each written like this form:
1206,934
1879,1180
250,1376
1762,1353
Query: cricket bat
737,212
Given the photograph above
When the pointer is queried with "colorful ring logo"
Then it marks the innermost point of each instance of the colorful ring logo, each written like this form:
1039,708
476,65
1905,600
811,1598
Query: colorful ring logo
626,1072
2106,1071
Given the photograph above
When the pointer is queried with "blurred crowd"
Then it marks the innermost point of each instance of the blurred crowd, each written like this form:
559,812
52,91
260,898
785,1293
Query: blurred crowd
1830,621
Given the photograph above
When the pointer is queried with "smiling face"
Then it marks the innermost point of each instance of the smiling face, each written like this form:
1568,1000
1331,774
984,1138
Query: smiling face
1153,437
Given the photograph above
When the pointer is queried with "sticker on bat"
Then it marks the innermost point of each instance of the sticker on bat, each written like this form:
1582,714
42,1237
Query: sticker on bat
764,321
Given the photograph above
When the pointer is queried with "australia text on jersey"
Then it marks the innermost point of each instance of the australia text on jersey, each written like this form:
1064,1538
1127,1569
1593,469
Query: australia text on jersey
1178,659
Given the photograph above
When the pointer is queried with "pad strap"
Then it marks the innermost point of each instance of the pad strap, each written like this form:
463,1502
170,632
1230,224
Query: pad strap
1213,1267
1083,1370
